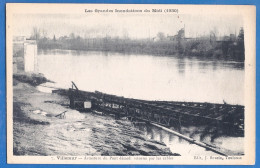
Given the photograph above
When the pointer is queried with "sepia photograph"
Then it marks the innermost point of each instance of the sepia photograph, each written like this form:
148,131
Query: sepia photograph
127,84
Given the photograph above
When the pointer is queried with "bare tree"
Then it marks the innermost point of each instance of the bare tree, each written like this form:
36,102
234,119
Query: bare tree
35,34
44,33
125,34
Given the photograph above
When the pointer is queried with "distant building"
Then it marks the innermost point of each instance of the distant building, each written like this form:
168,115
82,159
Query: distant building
19,39
179,36
64,38
171,38
230,38
30,56
188,38
155,39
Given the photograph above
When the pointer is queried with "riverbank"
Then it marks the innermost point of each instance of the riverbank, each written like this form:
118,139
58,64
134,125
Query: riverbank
37,131
226,48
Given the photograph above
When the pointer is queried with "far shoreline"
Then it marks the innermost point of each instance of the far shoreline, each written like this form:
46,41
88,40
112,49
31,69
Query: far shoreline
79,52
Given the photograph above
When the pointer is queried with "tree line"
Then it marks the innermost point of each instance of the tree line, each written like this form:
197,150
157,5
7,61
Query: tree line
227,47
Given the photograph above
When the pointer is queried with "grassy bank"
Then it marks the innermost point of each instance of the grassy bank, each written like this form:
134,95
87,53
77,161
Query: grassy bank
24,88
29,78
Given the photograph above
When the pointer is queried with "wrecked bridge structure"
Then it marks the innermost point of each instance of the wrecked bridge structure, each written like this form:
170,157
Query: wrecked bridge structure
224,117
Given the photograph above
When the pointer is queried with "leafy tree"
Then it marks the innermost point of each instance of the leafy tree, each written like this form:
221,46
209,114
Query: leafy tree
180,38
240,45
72,36
161,36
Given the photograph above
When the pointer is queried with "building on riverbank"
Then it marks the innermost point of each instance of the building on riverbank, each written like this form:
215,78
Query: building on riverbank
24,55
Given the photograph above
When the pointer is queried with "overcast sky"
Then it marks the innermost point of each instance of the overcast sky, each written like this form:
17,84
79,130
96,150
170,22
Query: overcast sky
131,25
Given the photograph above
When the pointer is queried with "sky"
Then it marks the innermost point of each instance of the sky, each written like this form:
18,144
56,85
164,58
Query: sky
134,26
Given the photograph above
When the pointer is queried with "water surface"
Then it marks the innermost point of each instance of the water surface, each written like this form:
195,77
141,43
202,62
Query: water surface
146,77
149,77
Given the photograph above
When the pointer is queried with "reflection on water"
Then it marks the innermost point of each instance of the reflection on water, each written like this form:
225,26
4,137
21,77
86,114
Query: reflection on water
181,66
146,77
228,145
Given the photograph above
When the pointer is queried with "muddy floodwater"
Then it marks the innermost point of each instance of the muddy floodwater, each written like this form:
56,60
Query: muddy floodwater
184,148
147,77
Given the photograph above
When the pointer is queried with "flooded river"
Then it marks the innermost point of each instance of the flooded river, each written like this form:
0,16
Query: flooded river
146,77
138,76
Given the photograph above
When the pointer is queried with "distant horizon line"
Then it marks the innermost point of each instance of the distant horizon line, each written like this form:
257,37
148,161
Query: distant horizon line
121,37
